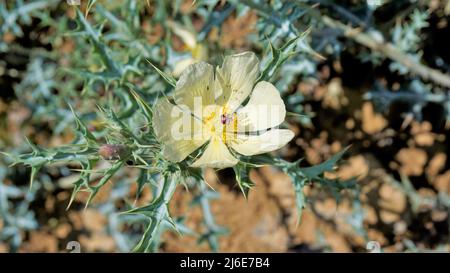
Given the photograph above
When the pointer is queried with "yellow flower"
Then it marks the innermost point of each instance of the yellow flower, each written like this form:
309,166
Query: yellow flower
208,109
198,51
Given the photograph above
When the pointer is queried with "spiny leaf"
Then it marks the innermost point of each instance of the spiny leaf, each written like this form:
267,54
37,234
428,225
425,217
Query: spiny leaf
82,128
157,212
34,170
336,186
314,172
145,108
107,176
147,238
182,228
148,210
301,176
83,180
115,120
172,224
34,148
279,56
89,6
116,23
243,179
103,51
167,77
143,179
339,185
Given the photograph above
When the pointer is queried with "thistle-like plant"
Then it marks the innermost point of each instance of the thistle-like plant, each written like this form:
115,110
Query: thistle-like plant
125,129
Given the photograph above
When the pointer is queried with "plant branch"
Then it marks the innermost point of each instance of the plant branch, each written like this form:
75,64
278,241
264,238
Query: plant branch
389,50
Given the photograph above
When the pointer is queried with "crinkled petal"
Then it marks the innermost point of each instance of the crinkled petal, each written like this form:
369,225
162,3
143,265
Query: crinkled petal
265,109
175,129
216,155
237,77
195,84
258,144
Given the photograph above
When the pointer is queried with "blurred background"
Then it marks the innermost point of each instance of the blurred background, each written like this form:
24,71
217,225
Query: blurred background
373,75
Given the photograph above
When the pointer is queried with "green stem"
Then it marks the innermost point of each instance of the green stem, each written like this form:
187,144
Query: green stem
158,213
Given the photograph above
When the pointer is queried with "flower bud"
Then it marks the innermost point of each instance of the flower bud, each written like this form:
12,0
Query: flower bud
113,151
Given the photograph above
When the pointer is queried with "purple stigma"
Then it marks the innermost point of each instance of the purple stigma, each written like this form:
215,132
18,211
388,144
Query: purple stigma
223,119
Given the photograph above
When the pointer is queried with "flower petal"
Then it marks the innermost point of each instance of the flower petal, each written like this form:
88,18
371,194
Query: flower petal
167,120
237,77
195,83
265,109
181,65
186,36
258,144
216,155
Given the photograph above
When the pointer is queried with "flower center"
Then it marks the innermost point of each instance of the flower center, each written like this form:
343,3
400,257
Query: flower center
218,123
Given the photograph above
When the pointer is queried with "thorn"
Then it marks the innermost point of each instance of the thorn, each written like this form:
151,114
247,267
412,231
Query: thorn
206,182
91,197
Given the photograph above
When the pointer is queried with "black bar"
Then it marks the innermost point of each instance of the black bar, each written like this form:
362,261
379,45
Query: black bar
224,262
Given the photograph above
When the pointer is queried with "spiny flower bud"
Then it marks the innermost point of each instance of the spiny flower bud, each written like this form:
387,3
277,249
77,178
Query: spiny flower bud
113,151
